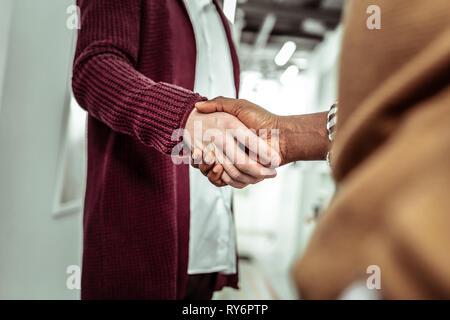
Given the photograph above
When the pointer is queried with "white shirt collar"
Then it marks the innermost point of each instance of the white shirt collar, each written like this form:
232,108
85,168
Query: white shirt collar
202,3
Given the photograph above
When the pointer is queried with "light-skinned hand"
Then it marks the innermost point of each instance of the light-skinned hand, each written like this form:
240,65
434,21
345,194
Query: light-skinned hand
222,136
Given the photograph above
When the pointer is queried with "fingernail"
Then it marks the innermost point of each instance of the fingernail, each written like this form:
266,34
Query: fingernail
216,169
209,157
268,172
196,155
198,104
276,160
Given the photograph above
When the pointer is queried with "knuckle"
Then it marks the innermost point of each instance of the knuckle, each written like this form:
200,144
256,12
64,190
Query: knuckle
235,174
204,170
220,100
212,175
245,167
226,179
241,102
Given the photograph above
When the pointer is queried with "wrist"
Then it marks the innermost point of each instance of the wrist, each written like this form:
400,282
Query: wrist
188,129
190,107
282,125
303,137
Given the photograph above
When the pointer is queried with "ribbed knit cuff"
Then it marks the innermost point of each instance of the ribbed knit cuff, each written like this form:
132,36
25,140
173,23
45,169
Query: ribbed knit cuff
179,105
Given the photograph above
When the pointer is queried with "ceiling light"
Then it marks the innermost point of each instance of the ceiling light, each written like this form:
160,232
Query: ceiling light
285,53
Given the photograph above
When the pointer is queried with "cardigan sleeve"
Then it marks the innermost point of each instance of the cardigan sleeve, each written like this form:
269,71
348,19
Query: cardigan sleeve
106,83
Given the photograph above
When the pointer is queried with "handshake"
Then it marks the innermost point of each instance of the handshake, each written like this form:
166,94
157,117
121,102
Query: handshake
235,142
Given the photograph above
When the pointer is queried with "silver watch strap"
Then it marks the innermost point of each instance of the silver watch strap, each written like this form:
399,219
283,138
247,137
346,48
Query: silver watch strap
331,125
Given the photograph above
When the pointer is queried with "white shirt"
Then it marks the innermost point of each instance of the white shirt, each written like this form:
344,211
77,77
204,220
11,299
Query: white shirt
212,243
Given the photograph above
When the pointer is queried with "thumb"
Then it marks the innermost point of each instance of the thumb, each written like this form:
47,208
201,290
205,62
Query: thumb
206,106
219,104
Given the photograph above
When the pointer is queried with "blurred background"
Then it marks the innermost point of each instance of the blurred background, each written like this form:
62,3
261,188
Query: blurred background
288,51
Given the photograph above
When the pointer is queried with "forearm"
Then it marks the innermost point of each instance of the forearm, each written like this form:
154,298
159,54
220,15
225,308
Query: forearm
107,83
304,137
130,103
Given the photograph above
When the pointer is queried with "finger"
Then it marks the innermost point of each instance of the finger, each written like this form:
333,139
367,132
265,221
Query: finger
234,173
205,168
216,172
248,138
256,158
227,105
235,184
241,160
266,154
248,165
215,176
208,162
196,157
218,183
209,156
196,166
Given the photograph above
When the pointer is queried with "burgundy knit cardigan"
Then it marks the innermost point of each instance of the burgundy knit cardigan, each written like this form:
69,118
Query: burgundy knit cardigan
133,72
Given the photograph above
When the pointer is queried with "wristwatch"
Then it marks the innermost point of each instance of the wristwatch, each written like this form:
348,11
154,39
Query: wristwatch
331,125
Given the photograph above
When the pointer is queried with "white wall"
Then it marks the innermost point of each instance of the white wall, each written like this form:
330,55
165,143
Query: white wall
35,57
5,18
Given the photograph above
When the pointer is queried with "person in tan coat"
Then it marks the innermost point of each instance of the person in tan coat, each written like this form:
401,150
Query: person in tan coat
390,156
